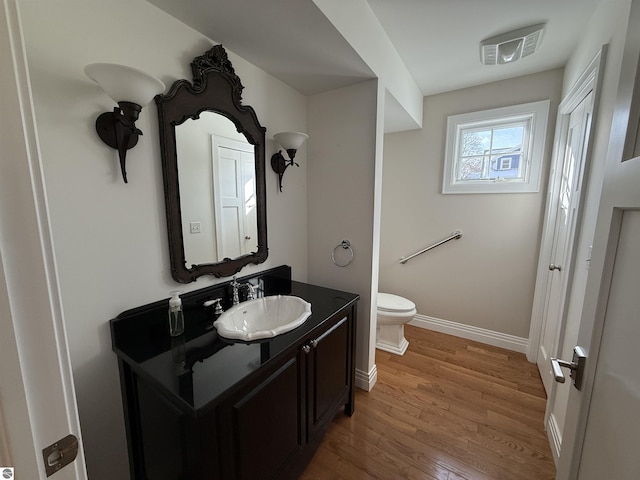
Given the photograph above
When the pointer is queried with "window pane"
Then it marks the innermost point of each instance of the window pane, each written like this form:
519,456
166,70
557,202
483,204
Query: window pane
510,137
507,166
492,153
471,168
474,142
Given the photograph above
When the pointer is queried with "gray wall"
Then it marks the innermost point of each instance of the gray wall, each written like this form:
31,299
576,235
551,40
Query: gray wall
344,135
486,279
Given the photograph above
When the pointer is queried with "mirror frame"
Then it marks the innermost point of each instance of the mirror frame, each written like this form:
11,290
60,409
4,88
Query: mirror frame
216,88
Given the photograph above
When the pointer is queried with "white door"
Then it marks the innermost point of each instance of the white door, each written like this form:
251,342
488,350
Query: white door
37,398
560,261
249,202
228,203
234,197
602,428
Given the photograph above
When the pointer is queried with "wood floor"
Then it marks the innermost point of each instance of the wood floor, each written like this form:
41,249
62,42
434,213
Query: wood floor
449,409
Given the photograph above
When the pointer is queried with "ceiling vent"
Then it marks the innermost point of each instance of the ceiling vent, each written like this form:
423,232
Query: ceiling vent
511,46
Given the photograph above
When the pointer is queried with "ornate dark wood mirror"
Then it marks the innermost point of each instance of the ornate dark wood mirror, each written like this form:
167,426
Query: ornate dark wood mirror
213,165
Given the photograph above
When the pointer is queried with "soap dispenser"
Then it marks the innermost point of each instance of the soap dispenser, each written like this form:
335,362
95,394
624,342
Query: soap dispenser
176,317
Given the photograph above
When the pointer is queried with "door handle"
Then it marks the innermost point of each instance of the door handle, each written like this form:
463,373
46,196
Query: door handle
553,267
576,366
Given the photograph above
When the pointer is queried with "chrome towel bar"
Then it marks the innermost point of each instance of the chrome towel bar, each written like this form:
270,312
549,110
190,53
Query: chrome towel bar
454,236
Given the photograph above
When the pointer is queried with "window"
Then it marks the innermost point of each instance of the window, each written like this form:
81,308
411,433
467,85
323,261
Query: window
496,151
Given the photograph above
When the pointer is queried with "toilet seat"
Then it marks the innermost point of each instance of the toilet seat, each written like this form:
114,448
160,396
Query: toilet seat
388,302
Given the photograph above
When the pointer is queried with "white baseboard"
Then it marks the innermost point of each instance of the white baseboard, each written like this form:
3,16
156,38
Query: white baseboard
497,339
555,437
366,381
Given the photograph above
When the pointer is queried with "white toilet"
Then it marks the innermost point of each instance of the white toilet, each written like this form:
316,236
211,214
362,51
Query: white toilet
393,313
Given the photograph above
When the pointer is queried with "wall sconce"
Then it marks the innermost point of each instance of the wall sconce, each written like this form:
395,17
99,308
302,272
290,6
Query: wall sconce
131,89
291,142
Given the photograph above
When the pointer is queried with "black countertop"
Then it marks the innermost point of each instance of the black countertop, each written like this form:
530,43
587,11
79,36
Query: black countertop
195,369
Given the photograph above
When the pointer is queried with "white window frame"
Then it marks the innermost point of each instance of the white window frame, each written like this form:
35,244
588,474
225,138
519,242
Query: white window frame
536,113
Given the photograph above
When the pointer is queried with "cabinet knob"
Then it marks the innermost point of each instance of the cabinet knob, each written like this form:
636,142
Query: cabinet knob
306,349
314,343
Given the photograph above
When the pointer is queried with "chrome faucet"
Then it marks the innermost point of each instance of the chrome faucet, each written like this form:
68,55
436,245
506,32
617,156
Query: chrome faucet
251,291
234,287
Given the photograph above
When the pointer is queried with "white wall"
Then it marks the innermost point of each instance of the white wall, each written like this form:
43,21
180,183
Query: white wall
604,28
357,23
110,237
343,136
486,279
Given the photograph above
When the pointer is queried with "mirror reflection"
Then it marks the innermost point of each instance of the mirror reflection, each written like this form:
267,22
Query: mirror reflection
217,177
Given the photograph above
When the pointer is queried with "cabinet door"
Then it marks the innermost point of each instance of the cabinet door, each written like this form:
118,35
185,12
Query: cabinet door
329,374
267,423
163,441
163,429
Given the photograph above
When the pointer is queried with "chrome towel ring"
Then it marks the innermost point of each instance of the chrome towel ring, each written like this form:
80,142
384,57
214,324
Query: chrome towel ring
346,244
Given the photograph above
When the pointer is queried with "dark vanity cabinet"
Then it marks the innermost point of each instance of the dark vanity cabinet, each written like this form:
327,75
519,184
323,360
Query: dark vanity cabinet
208,408
274,419
265,422
330,377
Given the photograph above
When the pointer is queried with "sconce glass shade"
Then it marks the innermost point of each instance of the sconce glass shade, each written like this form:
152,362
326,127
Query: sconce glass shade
290,140
124,83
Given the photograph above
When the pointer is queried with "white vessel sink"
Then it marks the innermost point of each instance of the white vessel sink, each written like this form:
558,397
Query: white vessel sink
263,317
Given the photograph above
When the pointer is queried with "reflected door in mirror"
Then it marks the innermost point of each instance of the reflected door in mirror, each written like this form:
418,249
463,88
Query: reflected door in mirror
234,196
217,175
